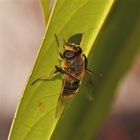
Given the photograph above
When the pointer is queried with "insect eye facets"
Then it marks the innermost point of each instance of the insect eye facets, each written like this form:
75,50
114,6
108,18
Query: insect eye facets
69,54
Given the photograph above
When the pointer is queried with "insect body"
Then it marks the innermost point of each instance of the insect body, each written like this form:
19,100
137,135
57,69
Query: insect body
73,68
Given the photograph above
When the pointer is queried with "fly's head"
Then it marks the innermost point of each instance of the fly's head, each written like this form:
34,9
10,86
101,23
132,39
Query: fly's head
71,51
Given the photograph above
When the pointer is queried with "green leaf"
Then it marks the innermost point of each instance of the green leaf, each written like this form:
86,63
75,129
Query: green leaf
112,55
35,117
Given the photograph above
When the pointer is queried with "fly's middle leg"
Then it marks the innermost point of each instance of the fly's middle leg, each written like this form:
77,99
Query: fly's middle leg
64,72
46,77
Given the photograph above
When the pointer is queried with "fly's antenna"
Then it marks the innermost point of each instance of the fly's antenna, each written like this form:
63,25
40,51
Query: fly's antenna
57,40
63,39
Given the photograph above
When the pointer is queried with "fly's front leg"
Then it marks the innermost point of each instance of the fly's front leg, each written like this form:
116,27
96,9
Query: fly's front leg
58,48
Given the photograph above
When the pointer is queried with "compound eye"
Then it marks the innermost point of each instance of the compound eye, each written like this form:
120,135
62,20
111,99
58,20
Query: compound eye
69,54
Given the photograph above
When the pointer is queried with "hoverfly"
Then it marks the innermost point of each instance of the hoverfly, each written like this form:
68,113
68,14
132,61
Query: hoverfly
73,67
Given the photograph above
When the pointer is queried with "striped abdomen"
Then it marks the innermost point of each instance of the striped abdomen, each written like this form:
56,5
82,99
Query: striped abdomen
70,87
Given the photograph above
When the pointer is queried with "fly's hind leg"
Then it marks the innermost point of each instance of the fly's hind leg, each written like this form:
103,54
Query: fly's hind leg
88,70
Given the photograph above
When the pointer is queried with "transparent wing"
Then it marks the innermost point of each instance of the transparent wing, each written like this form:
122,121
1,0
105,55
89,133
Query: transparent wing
61,102
89,83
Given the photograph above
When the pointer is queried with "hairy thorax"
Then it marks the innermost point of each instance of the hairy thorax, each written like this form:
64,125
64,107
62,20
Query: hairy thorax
75,67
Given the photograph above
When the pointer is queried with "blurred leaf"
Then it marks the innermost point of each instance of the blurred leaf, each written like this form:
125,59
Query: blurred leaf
45,6
112,55
35,117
